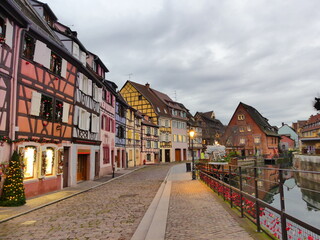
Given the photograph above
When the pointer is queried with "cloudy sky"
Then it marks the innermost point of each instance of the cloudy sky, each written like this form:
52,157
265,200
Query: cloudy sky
208,54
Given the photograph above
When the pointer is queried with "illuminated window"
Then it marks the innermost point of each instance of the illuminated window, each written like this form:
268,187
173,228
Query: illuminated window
59,111
242,141
46,108
29,160
256,139
240,117
49,161
2,29
241,129
249,128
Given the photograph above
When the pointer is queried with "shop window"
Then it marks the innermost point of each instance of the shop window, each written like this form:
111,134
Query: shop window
55,63
46,108
47,162
29,160
29,45
59,111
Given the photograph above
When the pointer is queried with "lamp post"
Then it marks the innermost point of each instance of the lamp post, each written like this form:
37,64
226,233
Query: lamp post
191,133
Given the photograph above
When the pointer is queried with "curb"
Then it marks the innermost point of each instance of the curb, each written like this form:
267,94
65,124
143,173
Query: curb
64,198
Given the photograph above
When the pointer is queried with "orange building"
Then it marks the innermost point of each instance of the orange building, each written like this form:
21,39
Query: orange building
249,134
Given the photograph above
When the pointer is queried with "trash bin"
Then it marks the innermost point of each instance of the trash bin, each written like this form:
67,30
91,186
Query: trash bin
188,166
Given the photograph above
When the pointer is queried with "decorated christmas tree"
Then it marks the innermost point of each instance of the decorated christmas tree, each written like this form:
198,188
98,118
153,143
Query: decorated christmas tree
13,189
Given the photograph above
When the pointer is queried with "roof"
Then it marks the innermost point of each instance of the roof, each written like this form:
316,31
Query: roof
149,94
261,121
167,100
207,117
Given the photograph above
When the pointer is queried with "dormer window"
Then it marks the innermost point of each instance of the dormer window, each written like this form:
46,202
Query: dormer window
241,117
48,19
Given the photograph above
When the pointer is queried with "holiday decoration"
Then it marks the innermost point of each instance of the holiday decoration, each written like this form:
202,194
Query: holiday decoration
13,189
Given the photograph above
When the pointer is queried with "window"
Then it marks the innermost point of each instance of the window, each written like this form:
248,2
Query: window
59,111
148,144
155,145
129,134
140,97
28,47
155,131
120,132
55,63
240,117
46,109
2,30
94,123
241,129
249,128
174,137
242,141
48,163
106,155
148,131
149,157
84,119
256,140
167,123
29,160
104,94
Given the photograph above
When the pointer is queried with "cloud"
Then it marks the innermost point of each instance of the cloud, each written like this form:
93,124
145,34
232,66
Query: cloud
212,54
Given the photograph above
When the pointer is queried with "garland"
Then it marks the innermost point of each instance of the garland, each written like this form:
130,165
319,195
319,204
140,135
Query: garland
38,140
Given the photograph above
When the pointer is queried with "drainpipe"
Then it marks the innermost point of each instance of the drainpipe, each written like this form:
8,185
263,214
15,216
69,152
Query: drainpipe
13,98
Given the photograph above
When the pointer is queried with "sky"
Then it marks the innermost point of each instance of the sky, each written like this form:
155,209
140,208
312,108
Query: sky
209,55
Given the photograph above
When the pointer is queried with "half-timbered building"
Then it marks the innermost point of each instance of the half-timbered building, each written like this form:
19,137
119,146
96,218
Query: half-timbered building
133,137
142,98
150,152
44,83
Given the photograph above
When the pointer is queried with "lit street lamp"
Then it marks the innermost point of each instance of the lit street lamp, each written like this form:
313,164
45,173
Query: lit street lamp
191,133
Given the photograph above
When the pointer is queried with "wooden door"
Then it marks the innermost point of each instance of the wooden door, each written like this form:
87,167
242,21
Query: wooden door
82,167
184,154
118,159
97,164
65,166
178,154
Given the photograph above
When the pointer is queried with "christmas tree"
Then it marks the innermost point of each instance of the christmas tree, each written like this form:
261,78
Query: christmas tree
13,189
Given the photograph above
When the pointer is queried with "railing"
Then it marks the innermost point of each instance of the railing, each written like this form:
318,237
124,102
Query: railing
243,191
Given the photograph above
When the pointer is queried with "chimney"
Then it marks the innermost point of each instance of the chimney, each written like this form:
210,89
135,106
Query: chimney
282,123
147,85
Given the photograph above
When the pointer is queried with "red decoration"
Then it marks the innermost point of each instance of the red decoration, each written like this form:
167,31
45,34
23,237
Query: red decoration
27,63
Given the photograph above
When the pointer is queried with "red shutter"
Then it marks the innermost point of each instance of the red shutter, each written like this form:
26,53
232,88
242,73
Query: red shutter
102,121
107,124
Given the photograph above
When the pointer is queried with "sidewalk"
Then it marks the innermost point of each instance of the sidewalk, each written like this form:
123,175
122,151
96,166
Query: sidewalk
188,209
7,213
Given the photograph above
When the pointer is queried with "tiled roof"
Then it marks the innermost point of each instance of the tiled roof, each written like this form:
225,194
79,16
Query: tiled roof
260,120
149,94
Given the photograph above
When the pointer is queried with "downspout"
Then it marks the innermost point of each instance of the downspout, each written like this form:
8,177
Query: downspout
13,99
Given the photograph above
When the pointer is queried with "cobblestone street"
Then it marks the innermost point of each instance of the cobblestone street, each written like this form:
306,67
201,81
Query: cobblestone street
112,211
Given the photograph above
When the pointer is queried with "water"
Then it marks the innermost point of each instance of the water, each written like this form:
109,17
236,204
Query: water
301,191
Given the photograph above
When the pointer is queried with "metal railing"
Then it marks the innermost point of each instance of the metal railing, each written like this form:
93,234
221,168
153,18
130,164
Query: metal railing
243,191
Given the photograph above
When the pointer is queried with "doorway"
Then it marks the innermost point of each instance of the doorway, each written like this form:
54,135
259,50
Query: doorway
82,167
178,155
167,155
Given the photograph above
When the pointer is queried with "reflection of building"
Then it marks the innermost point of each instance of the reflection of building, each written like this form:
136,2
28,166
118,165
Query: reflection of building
212,128
249,133
308,182
310,136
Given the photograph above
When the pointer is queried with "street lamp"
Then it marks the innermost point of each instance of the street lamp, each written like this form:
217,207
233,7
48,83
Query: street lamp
191,133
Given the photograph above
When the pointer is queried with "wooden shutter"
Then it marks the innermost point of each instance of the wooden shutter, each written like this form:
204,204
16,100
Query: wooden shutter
89,87
75,50
99,94
65,113
87,121
80,80
35,103
107,124
64,68
42,54
9,33
83,58
76,115
94,123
